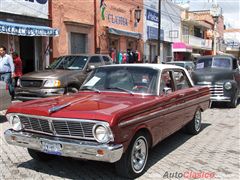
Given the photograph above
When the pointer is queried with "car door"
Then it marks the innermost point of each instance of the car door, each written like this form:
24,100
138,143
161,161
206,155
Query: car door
172,106
186,95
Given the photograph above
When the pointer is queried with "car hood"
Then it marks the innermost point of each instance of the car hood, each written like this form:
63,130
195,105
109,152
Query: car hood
49,74
85,105
211,75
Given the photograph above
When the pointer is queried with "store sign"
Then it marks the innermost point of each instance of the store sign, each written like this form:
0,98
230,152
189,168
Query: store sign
27,30
33,8
119,20
152,33
152,16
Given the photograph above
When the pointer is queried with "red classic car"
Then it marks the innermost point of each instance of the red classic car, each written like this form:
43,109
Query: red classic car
120,113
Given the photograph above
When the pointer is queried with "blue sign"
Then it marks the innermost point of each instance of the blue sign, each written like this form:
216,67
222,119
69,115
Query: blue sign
152,33
152,16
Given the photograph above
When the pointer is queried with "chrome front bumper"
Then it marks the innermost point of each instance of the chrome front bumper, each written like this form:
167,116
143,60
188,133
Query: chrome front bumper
69,147
220,99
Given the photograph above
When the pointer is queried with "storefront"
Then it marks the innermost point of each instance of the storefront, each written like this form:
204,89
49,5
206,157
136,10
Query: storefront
28,34
181,51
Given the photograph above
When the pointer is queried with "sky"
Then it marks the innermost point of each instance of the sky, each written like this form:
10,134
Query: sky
230,9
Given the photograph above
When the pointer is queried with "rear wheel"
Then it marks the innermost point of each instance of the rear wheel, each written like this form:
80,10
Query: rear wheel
194,126
134,160
40,156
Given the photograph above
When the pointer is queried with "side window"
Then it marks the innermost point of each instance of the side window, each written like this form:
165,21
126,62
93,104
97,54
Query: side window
181,80
95,59
166,82
106,60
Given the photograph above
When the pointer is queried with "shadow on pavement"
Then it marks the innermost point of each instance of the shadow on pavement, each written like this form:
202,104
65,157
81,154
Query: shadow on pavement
79,169
221,105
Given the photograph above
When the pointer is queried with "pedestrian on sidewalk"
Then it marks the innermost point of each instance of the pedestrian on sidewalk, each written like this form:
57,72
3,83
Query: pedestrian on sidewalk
6,69
18,67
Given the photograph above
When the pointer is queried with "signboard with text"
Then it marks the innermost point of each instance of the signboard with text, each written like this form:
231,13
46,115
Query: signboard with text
33,8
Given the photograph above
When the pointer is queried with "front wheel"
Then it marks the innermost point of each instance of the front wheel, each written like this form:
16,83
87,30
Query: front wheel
134,160
234,101
194,126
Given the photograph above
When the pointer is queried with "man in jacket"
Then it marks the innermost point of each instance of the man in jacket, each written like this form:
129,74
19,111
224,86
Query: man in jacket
6,69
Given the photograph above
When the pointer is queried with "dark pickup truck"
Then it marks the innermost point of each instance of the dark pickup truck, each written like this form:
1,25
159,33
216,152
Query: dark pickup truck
64,75
222,75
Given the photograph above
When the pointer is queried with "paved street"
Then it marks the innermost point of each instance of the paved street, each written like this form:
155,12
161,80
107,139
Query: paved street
215,150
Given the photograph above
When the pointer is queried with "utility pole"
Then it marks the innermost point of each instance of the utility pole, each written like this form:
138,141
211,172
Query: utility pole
159,30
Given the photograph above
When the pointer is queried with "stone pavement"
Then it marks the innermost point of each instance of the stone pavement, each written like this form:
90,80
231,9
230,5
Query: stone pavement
214,152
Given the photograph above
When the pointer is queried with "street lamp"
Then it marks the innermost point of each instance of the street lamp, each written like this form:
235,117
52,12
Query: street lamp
137,14
215,12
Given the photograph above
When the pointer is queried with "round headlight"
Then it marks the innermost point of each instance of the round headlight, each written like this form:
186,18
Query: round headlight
228,85
16,123
102,133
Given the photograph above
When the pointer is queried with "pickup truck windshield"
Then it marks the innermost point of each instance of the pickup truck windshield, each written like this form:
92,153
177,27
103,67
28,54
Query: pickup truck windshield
216,62
123,79
69,62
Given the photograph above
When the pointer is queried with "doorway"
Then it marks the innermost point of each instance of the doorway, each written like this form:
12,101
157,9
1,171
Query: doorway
27,53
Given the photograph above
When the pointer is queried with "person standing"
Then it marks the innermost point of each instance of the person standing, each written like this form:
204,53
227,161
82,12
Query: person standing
6,69
18,67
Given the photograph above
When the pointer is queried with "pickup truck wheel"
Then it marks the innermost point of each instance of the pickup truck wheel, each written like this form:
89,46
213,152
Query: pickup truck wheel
40,156
194,126
234,101
134,160
71,90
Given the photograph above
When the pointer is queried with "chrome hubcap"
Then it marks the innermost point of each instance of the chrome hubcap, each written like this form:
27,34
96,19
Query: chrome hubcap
197,120
139,154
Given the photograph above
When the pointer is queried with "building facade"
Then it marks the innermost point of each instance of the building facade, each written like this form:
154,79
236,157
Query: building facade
25,28
232,42
96,27
169,33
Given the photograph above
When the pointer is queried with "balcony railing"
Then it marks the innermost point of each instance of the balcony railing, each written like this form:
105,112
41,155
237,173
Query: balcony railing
197,42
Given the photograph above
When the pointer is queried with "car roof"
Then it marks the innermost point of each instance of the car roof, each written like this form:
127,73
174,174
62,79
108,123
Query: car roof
153,66
173,62
211,56
86,54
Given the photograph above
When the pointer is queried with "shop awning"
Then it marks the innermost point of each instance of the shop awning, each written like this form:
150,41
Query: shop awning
26,29
181,47
124,33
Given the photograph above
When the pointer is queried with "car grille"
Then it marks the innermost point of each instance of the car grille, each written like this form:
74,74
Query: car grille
62,128
31,83
216,90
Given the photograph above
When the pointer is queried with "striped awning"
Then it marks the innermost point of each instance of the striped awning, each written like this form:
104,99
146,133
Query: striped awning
27,29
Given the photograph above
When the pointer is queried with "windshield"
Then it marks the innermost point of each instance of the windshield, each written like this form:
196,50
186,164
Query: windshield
216,62
123,79
69,62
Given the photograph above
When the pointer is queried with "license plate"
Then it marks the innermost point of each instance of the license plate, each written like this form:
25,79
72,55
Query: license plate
51,148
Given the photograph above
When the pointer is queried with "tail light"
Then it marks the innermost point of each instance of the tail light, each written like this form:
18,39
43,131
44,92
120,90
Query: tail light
6,87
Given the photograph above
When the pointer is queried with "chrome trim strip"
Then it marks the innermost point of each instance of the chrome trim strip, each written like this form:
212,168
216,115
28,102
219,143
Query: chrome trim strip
125,123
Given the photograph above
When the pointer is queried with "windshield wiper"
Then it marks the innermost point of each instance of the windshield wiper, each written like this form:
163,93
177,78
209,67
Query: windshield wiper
91,89
121,89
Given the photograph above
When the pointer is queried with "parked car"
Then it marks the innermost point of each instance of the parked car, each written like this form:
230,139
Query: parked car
189,65
5,98
120,112
64,75
222,75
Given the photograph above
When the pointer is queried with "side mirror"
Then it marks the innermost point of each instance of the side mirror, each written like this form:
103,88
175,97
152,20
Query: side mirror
167,90
90,68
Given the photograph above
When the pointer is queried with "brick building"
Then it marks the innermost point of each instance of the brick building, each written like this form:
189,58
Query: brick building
96,26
